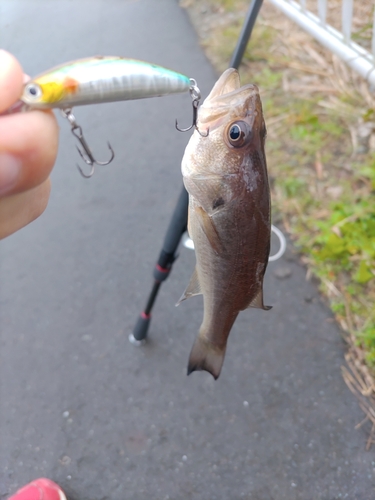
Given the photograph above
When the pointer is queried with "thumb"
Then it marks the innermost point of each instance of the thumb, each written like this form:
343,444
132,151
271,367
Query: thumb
11,80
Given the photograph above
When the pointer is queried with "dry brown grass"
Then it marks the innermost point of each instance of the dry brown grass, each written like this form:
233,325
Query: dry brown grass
361,21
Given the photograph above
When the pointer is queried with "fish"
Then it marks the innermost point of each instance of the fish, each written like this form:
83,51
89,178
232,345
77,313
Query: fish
229,214
99,79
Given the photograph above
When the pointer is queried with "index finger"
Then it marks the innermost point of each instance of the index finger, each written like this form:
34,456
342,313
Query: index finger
11,80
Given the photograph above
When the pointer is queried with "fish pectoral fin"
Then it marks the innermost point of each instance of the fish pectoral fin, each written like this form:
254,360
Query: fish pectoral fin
193,288
210,190
208,227
258,302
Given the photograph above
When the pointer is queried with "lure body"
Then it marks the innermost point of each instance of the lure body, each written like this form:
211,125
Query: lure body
101,79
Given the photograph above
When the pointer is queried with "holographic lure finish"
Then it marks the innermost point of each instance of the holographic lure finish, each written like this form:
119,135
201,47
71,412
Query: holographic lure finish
101,79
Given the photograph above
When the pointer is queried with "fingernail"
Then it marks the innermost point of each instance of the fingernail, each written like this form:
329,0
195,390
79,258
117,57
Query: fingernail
10,167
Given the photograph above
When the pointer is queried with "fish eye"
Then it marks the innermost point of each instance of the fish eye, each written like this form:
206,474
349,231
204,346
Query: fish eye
238,134
235,133
33,91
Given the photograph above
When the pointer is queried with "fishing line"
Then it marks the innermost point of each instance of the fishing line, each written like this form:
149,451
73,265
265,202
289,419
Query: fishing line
188,243
282,241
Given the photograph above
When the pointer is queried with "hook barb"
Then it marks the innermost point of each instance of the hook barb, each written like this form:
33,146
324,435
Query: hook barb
200,133
86,155
183,129
86,176
108,161
196,96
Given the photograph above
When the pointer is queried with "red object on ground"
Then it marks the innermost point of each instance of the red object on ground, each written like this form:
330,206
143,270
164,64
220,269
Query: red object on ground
40,489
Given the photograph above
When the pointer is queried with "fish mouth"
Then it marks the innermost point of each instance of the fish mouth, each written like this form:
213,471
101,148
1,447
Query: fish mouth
228,99
228,82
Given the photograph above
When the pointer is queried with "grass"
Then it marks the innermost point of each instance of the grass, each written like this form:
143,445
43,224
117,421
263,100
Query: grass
320,149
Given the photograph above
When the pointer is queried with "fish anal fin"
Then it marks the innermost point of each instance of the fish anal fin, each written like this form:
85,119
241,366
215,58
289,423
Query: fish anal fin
205,356
257,302
208,227
193,288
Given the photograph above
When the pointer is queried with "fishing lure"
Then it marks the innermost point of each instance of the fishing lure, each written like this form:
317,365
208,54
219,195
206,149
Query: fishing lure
102,79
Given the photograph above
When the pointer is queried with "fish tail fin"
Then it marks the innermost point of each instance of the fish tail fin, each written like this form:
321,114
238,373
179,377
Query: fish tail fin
205,356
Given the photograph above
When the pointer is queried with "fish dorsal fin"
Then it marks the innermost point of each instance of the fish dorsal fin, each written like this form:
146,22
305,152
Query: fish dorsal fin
193,288
208,227
258,302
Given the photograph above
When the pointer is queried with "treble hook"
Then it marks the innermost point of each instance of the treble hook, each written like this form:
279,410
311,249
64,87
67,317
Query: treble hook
195,94
77,132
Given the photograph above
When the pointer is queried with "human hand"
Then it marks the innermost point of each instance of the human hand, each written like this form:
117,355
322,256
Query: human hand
28,149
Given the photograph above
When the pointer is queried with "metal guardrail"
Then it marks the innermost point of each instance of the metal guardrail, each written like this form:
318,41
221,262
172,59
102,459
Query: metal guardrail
340,43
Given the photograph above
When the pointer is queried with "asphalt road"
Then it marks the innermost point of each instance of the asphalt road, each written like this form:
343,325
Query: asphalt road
80,404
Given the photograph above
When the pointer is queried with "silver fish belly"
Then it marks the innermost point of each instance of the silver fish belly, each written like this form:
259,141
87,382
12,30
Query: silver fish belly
229,214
